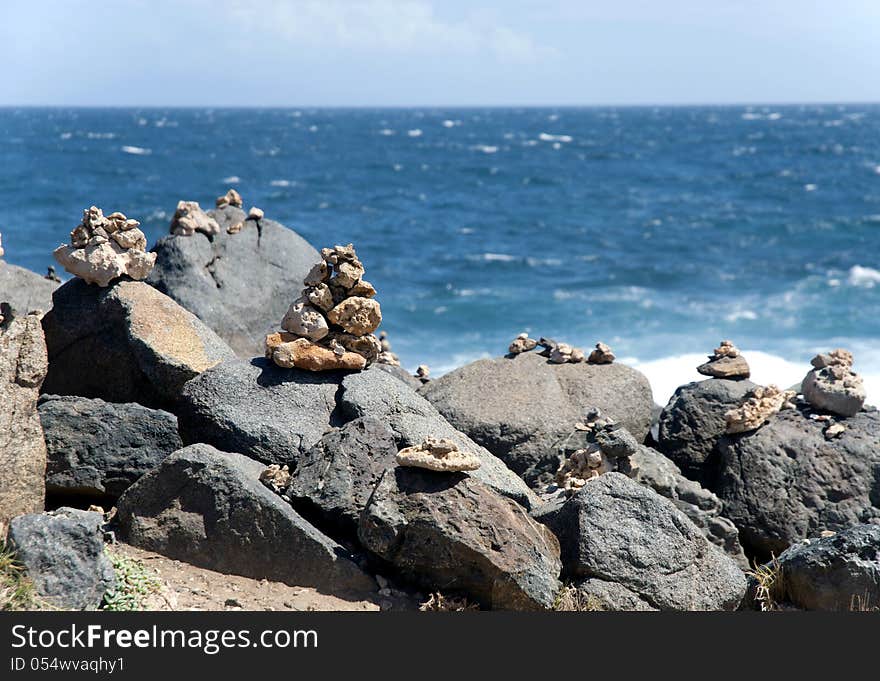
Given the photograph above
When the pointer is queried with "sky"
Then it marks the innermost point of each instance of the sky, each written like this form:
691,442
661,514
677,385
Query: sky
437,52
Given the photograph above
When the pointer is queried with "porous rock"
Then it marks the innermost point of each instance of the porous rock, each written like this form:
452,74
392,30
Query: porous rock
438,454
832,385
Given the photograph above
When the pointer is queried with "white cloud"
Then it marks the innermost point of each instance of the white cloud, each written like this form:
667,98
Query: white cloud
393,26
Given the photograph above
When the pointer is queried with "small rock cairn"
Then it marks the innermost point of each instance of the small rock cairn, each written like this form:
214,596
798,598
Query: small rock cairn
832,385
726,362
330,326
561,353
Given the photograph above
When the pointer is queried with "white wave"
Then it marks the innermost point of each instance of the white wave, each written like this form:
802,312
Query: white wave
486,148
386,132
137,151
68,135
100,135
282,183
547,137
497,257
232,179
863,277
414,133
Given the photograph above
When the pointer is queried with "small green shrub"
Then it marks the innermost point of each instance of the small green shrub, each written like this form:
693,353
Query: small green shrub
134,583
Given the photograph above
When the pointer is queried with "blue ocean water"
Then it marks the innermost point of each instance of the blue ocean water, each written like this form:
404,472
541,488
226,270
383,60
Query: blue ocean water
657,230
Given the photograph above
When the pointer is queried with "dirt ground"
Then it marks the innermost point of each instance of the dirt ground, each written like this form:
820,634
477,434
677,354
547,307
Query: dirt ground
187,587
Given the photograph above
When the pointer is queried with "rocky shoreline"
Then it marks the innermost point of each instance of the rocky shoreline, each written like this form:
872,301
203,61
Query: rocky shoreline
228,401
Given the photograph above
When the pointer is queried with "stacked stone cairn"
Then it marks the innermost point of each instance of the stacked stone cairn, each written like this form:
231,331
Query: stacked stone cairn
189,218
726,362
832,386
598,445
103,248
561,353
759,405
330,326
438,454
386,356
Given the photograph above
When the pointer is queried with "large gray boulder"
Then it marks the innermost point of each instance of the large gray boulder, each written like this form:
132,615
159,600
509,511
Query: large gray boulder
519,407
26,291
702,507
693,421
63,555
125,343
785,481
209,508
253,407
412,418
616,530
216,278
23,366
449,532
334,479
98,449
841,572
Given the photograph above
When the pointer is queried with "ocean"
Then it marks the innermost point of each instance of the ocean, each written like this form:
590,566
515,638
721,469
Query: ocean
659,231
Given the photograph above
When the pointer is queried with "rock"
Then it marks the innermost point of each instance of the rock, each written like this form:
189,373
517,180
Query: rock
522,343
448,531
126,343
304,320
400,373
209,508
599,595
833,386
412,418
358,316
519,408
594,448
423,373
385,355
98,449
438,454
63,555
601,355
693,421
255,213
189,218
785,481
726,362
334,479
103,248
230,198
760,404
700,505
216,278
617,530
276,477
24,290
258,409
837,572
304,354
23,366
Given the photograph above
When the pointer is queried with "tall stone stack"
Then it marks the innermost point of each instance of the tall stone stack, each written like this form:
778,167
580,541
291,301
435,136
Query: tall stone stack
330,326
833,386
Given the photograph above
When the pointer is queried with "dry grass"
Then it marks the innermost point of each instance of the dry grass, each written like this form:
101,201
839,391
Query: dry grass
770,591
572,599
16,590
437,602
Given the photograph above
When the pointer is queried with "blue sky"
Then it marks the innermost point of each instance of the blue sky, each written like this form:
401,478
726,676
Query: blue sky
438,52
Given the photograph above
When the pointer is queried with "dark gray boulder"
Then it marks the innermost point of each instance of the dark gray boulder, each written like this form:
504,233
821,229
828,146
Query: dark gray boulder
841,572
449,532
701,506
617,530
519,407
24,290
785,481
401,373
209,508
334,479
98,449
412,418
63,555
693,420
256,408
598,595
124,343
216,279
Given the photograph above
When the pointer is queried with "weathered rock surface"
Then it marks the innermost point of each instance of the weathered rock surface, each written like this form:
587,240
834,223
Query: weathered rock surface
209,508
701,506
256,408
377,393
23,366
98,449
24,290
449,532
694,419
786,481
762,403
216,279
334,479
63,554
840,572
617,530
599,595
519,408
126,343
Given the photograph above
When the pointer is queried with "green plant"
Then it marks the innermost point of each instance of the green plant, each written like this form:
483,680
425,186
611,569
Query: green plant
134,583
16,590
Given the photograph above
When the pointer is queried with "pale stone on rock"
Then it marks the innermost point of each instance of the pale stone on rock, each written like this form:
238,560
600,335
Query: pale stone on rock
357,315
255,213
761,403
725,362
367,346
438,454
189,218
561,353
306,321
834,430
423,372
235,228
320,296
230,198
522,343
364,289
833,386
304,354
130,238
320,273
601,355
276,477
